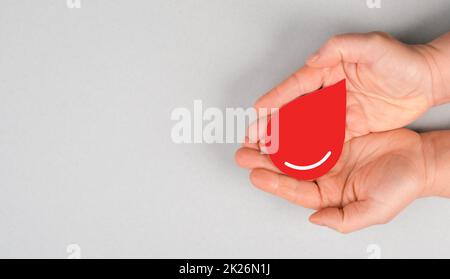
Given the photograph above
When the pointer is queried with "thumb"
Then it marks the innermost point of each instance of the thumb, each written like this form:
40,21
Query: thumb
351,48
352,217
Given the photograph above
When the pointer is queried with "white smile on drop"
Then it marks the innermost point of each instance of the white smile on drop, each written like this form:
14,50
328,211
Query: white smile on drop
309,167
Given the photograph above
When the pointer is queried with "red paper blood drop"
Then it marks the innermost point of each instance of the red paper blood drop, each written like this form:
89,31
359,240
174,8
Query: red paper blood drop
311,133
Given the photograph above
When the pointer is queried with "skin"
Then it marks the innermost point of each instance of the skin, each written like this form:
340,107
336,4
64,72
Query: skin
383,169
389,84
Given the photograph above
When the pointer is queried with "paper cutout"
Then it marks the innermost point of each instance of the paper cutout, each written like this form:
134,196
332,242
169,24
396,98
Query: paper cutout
311,133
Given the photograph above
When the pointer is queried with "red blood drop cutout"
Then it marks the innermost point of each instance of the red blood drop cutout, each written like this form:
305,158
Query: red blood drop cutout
311,133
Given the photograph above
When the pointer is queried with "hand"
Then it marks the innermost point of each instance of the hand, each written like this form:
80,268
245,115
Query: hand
390,84
377,176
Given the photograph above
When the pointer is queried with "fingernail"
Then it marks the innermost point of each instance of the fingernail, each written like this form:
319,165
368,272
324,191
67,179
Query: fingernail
314,57
263,149
314,220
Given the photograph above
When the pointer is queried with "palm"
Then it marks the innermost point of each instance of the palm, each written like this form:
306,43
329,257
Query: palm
376,177
389,84
381,171
386,95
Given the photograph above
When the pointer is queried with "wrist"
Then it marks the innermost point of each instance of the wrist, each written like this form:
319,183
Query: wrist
436,152
437,57
429,159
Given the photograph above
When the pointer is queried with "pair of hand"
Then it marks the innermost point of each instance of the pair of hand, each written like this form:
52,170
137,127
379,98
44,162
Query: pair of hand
382,168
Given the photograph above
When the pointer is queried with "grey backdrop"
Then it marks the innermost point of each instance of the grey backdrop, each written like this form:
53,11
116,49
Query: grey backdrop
85,150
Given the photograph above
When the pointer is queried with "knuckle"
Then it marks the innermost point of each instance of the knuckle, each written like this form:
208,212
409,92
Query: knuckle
342,230
384,220
379,37
335,40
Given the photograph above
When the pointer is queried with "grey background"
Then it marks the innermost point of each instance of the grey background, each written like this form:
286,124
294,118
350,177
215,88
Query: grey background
85,149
